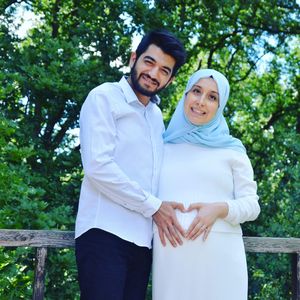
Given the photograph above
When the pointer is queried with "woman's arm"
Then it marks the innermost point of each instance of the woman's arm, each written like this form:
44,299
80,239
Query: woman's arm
244,207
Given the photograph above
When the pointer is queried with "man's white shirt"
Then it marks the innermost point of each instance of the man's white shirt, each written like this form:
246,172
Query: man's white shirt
121,150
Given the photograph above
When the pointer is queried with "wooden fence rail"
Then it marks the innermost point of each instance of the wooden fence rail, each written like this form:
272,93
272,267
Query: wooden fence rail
43,239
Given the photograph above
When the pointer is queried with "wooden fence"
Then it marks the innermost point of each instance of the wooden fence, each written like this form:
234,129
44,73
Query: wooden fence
43,239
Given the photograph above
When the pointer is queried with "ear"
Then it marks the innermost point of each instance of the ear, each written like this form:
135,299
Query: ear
132,59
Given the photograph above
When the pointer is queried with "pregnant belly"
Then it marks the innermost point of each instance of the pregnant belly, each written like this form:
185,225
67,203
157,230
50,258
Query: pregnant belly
186,219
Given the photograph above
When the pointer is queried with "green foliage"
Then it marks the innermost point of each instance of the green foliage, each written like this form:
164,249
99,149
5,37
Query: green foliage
76,45
17,265
61,281
267,272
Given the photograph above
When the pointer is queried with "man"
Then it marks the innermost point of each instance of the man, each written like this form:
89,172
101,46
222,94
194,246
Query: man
121,147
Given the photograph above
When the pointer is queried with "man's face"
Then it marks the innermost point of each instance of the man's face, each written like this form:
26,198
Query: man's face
151,72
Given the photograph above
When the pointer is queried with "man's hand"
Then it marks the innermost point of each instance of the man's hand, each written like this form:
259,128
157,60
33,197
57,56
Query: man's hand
167,223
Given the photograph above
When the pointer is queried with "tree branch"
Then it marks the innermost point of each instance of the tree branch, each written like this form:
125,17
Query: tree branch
199,64
280,112
274,118
231,59
51,123
252,66
219,44
268,28
55,23
61,133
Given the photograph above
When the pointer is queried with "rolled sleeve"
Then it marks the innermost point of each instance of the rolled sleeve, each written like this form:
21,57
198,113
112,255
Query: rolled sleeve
151,206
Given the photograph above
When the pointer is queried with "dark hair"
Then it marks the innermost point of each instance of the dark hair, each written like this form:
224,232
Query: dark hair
167,42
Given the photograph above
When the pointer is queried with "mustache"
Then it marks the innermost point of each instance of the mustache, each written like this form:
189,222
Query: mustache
152,79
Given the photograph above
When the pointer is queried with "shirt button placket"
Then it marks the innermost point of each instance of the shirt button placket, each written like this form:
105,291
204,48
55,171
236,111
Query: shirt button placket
148,120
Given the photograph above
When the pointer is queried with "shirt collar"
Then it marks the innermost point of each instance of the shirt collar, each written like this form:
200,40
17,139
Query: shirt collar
130,96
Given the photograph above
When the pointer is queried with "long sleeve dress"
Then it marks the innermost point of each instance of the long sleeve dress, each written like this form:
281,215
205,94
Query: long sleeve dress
214,269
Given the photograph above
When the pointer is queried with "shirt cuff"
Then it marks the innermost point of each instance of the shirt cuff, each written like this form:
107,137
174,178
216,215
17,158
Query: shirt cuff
151,206
231,215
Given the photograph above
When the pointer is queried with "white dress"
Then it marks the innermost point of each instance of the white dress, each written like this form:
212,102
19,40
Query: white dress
214,269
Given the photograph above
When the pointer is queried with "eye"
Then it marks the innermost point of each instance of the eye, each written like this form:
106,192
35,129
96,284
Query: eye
165,72
213,98
196,91
148,62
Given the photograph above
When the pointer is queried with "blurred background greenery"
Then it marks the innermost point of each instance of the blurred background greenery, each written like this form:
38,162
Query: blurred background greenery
53,52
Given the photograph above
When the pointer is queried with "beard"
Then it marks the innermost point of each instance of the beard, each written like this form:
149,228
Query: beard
137,87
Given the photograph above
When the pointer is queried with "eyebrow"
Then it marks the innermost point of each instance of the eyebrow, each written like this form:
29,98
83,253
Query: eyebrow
201,88
152,59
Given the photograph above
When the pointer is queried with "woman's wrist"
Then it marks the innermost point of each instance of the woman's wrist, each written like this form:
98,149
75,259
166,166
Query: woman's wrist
222,209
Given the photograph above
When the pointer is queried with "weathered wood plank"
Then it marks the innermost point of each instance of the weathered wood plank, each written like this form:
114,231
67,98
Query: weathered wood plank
272,245
40,270
36,238
65,239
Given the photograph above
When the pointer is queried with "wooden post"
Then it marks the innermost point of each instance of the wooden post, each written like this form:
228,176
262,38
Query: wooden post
296,275
40,270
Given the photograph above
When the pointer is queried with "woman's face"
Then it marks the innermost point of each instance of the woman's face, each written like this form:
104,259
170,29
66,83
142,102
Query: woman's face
202,101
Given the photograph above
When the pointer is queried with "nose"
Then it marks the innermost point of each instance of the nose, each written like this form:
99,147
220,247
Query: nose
201,99
153,72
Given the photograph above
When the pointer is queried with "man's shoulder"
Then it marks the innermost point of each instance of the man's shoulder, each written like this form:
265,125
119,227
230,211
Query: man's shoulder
106,95
107,88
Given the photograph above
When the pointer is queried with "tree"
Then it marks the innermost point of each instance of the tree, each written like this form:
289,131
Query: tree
76,45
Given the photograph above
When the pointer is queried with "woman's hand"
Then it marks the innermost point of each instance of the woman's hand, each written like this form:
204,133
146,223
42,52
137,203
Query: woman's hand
207,215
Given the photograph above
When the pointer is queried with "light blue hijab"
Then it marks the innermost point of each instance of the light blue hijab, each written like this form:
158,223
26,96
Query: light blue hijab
213,134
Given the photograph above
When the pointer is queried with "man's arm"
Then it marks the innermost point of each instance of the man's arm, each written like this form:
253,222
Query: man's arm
98,135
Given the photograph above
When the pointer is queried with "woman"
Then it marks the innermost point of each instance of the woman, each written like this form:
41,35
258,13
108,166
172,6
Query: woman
207,170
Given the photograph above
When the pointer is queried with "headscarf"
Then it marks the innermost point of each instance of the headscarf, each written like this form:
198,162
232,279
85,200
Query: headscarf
215,133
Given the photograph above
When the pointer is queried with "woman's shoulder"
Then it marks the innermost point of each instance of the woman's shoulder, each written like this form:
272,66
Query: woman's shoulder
230,156
203,148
